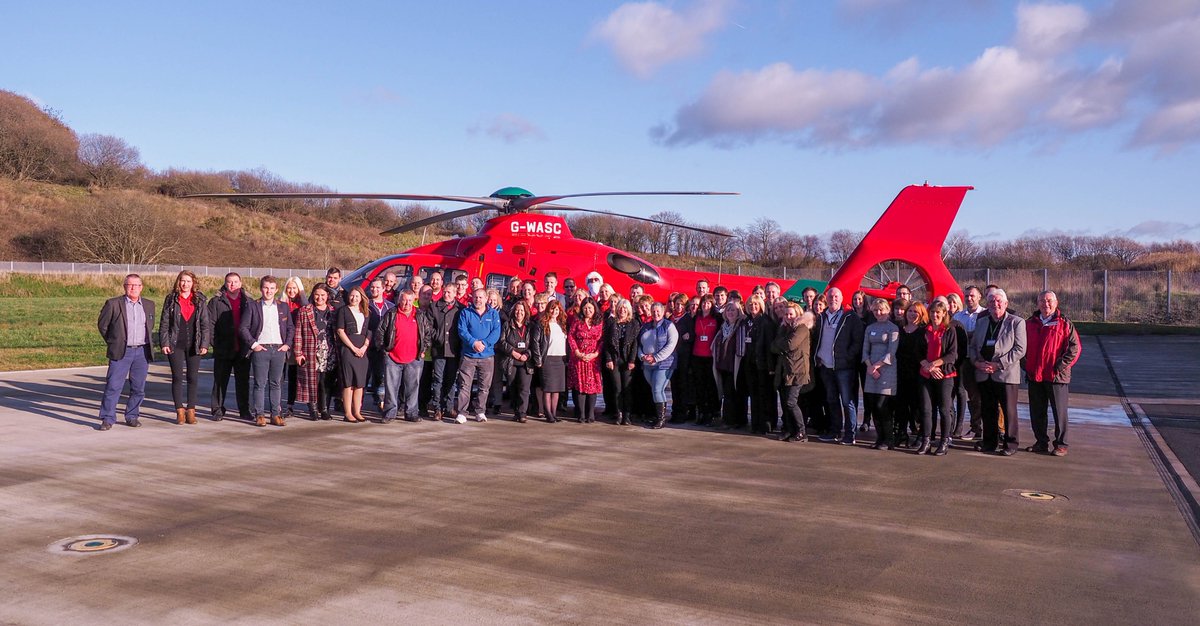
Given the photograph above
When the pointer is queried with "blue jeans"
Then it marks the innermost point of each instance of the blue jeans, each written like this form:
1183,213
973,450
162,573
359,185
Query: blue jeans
841,396
268,373
401,380
658,378
133,366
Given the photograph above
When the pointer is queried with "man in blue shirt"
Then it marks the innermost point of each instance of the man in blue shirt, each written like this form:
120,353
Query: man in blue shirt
479,329
127,324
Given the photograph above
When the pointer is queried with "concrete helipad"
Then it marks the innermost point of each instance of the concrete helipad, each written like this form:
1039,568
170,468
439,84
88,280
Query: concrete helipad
536,523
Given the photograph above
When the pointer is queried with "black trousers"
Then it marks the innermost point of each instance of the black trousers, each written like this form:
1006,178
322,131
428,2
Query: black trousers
704,386
881,409
240,368
519,382
619,380
793,418
1053,396
292,372
764,405
906,407
936,394
996,397
734,396
813,403
681,396
641,404
184,368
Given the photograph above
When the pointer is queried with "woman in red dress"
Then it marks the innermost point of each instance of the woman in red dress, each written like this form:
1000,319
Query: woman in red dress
584,347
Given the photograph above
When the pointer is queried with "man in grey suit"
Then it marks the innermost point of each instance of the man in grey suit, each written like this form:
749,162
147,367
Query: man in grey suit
997,346
127,325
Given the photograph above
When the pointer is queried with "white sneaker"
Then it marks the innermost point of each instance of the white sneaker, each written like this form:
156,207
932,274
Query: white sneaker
461,419
480,417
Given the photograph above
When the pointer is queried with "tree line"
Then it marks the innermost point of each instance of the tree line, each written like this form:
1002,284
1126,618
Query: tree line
36,145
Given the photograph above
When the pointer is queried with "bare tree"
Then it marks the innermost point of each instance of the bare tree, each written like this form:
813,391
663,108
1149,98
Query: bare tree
122,227
959,249
842,243
760,241
108,161
34,143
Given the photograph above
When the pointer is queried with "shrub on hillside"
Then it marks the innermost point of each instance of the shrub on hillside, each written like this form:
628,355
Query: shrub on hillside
123,227
108,161
34,143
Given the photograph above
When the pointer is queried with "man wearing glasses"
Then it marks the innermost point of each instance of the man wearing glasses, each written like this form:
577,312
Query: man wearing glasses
127,324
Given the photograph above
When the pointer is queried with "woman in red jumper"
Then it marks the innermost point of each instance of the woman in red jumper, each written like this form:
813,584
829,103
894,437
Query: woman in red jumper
183,336
938,372
703,383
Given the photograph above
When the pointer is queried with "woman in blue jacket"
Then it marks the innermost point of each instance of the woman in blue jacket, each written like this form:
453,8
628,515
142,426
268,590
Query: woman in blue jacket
656,350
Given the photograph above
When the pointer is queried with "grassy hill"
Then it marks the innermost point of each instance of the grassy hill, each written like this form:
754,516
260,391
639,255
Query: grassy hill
38,218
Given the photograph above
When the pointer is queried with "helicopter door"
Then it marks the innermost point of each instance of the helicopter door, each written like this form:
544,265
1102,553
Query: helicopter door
523,259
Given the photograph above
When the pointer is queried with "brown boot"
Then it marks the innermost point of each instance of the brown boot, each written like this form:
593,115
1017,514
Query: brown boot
191,416
277,420
180,416
260,420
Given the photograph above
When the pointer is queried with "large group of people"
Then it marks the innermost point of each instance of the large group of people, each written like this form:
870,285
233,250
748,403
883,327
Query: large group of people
454,351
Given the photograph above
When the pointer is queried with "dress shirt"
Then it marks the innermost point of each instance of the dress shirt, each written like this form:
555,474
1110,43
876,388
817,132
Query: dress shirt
135,323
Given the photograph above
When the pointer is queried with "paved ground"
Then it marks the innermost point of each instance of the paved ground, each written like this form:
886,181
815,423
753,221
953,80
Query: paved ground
510,523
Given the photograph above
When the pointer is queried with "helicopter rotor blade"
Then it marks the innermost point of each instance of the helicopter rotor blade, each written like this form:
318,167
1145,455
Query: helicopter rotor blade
434,219
490,202
566,207
532,201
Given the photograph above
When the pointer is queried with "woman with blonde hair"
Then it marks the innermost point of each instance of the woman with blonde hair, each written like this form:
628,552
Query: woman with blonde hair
793,369
620,356
293,296
184,335
355,337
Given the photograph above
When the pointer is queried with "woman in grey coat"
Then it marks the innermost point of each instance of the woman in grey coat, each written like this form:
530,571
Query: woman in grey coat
880,341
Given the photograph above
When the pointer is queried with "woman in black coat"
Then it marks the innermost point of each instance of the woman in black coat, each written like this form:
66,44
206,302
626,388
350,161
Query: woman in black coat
620,356
183,335
515,352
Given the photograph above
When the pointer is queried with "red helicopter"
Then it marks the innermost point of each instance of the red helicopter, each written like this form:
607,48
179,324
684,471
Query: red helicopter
903,247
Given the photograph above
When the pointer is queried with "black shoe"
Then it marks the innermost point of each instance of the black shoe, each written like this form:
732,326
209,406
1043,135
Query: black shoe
133,422
878,445
1039,448
288,413
923,447
519,418
1006,451
218,414
105,426
386,420
412,418
326,416
942,446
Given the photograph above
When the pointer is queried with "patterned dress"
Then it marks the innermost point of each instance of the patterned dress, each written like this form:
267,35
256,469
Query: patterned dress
584,376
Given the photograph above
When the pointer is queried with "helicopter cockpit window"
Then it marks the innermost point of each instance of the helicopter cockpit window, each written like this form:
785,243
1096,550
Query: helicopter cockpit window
497,281
448,275
633,268
403,274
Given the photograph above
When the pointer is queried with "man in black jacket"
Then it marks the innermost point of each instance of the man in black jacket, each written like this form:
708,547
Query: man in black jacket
839,341
442,322
401,340
127,325
224,313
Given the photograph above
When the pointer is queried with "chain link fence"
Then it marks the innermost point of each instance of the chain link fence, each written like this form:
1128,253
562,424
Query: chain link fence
1148,297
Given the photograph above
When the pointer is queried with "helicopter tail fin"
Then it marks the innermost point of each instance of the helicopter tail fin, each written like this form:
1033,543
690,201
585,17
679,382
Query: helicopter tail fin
911,230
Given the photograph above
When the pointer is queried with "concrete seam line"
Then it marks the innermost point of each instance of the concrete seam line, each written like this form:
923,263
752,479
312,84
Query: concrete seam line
1184,475
1184,500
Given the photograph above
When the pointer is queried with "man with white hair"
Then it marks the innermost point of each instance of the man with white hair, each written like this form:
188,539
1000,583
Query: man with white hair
997,345
839,342
1053,350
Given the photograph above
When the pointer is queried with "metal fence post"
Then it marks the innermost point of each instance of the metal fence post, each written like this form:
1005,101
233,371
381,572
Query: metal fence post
1045,279
1168,296
1105,318
987,276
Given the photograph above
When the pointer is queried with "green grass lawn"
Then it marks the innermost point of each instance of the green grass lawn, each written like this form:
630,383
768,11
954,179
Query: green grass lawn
50,321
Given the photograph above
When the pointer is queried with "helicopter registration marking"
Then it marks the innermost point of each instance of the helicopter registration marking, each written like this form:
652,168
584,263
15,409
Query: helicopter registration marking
536,228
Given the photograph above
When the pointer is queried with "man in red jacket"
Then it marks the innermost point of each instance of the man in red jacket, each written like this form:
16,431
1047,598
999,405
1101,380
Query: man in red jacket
1053,347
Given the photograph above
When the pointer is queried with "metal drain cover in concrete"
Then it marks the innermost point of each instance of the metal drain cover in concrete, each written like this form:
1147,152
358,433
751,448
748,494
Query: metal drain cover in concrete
92,544
1035,496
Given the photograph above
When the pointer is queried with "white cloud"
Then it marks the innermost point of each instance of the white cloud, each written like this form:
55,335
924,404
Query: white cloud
507,127
648,35
1049,29
1042,86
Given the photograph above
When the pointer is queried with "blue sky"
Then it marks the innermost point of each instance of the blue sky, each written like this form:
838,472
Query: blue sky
1066,117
